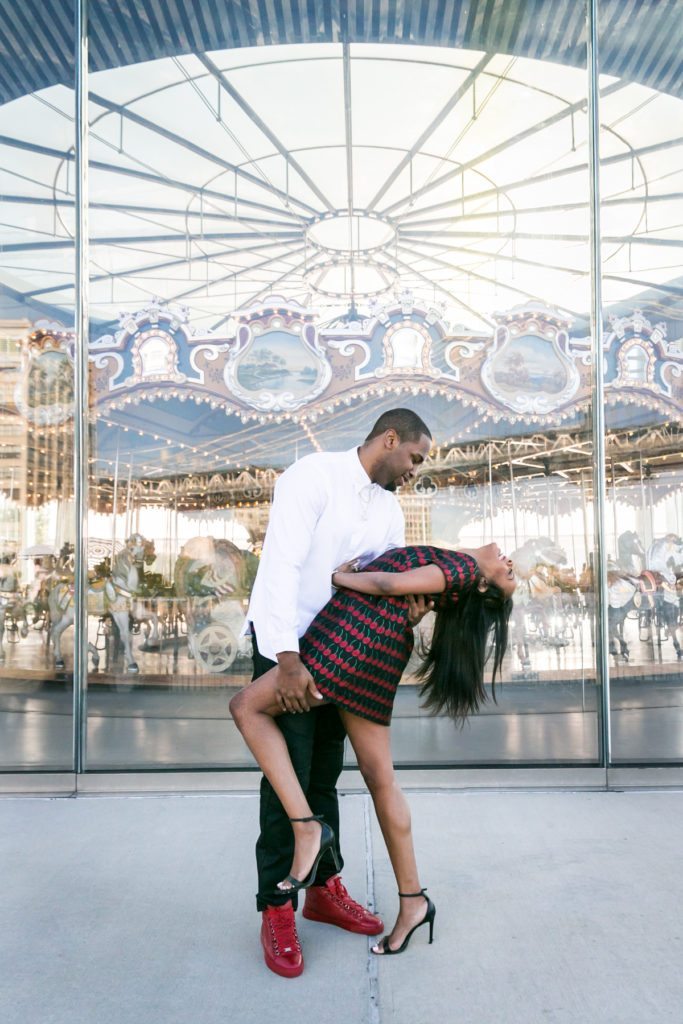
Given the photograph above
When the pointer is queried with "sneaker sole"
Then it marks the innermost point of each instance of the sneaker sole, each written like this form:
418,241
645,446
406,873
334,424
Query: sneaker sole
311,915
284,972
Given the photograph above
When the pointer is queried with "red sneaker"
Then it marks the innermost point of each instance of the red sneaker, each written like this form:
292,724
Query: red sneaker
331,904
281,946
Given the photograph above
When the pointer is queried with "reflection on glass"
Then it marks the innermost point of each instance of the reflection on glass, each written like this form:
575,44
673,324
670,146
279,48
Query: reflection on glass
287,240
36,425
641,219
252,303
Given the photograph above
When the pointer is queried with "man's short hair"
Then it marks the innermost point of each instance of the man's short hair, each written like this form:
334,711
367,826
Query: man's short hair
407,424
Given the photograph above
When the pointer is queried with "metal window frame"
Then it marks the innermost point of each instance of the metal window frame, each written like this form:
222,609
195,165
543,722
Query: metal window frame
81,410
80,676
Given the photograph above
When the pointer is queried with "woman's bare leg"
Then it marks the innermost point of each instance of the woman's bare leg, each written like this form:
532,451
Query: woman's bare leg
254,710
372,748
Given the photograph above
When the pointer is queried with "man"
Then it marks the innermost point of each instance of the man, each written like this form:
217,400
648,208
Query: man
328,508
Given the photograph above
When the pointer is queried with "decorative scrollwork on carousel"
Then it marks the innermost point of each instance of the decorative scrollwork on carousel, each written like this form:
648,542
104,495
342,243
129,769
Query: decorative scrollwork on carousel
640,359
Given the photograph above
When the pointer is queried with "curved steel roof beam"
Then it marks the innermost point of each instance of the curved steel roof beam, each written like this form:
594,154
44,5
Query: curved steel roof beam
655,147
146,268
670,289
547,122
238,273
133,209
348,143
263,127
504,257
156,179
479,277
431,128
551,237
550,208
264,291
156,129
121,240
451,295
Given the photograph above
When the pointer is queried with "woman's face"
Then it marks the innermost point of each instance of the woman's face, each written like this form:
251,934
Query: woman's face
495,567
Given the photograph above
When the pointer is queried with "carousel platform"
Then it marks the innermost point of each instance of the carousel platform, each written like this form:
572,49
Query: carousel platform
140,723
559,907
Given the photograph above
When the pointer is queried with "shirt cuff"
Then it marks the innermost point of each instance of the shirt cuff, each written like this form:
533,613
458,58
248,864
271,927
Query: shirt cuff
284,642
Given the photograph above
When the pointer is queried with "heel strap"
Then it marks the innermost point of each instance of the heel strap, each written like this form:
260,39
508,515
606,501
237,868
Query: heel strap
311,817
407,894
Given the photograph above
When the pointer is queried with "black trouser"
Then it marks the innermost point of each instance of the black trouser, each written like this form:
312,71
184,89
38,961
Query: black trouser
315,742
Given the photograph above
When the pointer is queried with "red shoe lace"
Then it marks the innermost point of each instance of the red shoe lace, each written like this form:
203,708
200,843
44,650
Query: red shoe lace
283,929
340,893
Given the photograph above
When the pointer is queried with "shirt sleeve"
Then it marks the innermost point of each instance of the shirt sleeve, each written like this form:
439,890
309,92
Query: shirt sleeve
396,536
298,502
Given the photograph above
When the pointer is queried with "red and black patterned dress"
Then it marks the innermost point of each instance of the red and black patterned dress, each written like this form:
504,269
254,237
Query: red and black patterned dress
358,645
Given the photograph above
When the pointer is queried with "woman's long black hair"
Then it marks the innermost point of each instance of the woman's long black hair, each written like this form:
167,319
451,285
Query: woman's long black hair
453,669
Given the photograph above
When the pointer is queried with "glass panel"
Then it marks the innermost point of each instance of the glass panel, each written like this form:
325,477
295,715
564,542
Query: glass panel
277,261
641,189
36,408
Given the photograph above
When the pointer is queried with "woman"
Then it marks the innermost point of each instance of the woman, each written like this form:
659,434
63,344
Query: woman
356,649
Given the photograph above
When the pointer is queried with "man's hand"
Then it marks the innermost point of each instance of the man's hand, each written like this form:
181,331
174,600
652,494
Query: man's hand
353,565
295,690
418,606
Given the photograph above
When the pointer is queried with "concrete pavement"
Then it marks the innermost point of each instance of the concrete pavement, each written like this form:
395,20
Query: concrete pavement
559,907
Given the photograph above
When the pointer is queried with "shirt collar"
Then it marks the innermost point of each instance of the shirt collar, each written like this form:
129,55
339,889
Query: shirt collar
361,479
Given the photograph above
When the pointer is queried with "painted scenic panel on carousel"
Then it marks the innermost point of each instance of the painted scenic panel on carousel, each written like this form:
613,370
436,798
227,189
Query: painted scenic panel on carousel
529,364
529,368
276,363
277,359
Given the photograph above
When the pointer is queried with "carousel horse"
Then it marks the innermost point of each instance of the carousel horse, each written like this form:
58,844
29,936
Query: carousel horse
48,569
145,602
212,579
630,553
651,593
665,559
107,595
538,598
12,606
627,594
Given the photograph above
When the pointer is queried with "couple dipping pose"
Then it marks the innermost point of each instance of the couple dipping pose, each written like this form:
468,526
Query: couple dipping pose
331,615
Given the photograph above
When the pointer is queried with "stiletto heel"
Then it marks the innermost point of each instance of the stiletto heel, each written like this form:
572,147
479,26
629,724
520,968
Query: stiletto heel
427,919
327,842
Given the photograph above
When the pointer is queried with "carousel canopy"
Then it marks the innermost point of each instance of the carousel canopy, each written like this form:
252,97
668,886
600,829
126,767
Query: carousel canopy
313,153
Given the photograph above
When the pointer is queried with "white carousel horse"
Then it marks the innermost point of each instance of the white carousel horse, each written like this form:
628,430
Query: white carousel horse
652,591
630,553
112,595
625,594
144,606
12,605
212,578
665,557
538,598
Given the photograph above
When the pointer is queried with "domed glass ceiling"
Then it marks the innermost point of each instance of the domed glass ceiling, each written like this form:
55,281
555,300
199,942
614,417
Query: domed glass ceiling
339,175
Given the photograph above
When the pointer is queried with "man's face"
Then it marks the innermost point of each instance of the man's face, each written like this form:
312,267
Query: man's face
401,460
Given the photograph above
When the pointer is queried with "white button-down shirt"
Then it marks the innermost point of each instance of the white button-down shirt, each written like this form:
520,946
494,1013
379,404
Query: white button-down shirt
326,510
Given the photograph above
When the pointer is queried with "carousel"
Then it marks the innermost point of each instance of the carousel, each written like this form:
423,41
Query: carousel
294,225
190,428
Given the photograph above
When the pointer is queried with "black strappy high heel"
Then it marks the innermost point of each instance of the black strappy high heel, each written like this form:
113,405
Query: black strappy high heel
327,842
427,919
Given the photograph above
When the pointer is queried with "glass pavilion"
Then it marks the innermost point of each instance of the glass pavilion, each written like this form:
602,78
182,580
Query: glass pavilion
272,222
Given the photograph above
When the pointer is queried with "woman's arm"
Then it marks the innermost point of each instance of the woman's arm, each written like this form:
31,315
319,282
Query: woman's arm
428,579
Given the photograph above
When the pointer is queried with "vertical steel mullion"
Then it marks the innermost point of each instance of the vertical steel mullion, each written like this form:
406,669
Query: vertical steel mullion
597,375
80,676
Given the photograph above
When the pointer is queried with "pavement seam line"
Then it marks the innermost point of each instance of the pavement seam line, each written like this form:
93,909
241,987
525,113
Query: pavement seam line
373,1015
